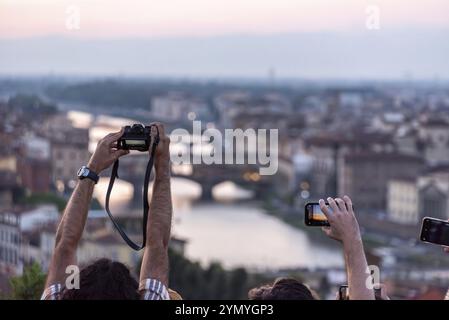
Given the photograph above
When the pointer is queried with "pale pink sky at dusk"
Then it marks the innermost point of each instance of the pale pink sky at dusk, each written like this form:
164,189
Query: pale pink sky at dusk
159,18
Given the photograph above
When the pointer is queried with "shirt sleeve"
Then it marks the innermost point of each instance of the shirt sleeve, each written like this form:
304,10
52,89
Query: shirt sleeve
152,289
53,292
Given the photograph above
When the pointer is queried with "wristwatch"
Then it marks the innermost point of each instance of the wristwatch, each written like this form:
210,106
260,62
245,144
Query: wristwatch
84,172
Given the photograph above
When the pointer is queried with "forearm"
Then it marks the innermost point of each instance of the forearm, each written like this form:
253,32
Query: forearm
71,227
155,260
357,266
70,230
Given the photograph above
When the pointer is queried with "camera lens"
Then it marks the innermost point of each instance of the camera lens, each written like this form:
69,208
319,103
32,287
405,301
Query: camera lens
137,128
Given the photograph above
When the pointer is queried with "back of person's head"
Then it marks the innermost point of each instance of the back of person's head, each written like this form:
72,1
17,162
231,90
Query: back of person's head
282,289
104,280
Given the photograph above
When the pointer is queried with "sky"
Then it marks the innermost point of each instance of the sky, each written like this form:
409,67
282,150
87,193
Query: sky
243,38
160,18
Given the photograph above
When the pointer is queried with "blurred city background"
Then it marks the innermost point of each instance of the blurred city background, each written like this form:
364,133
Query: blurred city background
359,91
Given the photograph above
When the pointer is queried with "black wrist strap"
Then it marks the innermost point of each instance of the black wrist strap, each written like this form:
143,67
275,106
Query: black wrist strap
146,205
93,176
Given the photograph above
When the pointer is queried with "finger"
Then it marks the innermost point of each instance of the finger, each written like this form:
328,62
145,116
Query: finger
326,230
160,128
332,204
119,153
348,202
113,137
341,205
325,209
106,137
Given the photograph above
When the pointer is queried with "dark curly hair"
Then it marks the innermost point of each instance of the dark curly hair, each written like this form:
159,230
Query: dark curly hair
283,289
104,280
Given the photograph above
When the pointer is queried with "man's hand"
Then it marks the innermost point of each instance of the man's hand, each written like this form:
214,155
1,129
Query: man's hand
344,228
162,156
341,217
106,153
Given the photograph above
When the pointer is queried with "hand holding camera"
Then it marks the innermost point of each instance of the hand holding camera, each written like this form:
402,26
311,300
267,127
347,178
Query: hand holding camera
141,138
106,152
162,156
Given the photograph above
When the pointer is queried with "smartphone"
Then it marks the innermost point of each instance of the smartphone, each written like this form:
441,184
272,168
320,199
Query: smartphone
343,292
378,293
435,231
314,217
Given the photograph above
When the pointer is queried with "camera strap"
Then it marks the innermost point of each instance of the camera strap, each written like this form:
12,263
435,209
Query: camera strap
146,205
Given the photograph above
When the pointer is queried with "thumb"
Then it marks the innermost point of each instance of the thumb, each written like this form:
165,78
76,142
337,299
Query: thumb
327,231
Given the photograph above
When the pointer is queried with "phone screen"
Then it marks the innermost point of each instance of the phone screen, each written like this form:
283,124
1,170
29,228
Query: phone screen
317,214
435,231
314,216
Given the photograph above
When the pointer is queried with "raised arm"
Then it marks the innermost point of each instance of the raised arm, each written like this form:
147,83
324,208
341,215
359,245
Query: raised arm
155,257
446,249
74,218
344,228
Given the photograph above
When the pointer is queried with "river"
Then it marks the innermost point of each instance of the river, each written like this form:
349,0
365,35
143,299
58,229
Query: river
243,235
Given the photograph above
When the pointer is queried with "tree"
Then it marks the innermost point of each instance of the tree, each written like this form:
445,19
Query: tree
30,285
45,198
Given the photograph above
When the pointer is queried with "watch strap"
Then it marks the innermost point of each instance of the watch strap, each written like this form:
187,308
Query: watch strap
93,176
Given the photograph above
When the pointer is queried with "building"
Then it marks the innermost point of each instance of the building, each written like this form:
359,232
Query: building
242,110
9,180
388,122
10,242
434,193
365,176
434,138
329,150
35,174
403,201
69,150
176,106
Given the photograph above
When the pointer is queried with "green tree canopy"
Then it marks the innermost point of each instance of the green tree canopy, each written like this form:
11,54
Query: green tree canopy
30,285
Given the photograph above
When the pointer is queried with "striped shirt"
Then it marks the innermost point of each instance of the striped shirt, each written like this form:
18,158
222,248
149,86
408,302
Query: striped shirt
149,289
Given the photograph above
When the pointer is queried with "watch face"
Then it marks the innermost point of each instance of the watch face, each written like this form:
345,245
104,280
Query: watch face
82,172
